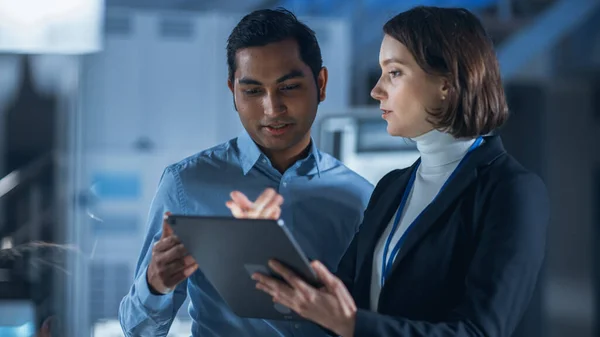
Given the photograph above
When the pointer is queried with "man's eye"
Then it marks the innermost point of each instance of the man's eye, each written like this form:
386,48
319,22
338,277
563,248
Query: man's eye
290,87
251,91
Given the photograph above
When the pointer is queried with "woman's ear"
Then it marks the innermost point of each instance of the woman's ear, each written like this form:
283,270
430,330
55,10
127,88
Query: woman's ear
444,88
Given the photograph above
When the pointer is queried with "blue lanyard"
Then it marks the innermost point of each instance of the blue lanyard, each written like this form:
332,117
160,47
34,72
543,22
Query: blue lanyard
386,267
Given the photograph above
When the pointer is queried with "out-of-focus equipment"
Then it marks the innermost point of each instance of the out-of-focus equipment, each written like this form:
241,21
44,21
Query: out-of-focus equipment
358,137
50,27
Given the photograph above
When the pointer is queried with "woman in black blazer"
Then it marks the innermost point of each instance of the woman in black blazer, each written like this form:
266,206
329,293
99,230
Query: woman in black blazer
453,245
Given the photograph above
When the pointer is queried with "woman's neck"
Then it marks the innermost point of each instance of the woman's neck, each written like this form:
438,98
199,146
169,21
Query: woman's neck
438,148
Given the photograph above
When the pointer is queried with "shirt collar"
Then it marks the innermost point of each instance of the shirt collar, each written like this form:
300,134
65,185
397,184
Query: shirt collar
316,156
250,154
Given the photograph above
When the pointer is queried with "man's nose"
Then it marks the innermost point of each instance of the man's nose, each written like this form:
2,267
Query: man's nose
273,104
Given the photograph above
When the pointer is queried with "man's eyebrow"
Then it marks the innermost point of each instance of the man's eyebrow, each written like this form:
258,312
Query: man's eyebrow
249,81
292,74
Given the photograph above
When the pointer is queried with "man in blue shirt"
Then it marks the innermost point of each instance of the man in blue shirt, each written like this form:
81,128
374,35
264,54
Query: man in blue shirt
277,80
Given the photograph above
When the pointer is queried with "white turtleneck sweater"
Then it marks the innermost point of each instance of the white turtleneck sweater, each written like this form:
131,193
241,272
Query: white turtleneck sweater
440,155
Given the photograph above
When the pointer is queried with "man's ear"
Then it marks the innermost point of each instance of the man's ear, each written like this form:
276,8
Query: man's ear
230,85
322,84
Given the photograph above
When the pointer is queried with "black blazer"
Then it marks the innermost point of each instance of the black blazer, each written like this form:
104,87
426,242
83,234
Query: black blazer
470,264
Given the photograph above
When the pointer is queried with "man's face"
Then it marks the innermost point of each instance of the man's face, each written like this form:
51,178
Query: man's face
276,96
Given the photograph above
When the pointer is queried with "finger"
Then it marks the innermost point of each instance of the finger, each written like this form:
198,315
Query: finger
277,214
182,274
263,200
334,285
189,261
344,297
275,201
166,229
177,266
274,213
291,278
269,213
174,254
280,292
265,288
272,208
290,304
272,284
165,244
236,210
284,300
324,275
190,270
282,270
241,200
177,278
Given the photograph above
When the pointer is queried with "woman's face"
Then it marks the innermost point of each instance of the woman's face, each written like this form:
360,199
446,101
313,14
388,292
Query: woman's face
405,91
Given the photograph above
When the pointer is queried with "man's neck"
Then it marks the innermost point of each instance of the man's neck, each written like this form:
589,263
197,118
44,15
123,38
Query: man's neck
283,160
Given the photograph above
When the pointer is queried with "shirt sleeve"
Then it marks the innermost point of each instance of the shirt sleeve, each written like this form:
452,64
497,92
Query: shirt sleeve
142,313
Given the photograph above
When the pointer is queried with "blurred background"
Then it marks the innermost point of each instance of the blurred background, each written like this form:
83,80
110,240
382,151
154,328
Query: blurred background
97,97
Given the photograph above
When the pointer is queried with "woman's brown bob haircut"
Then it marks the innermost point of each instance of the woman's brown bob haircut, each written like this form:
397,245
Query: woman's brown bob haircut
451,42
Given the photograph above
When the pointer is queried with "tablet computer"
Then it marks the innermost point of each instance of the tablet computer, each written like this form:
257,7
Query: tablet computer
229,250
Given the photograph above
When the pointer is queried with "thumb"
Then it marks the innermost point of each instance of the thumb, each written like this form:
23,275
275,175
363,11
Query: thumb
166,229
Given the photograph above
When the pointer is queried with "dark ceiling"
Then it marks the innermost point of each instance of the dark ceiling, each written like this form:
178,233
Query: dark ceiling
195,5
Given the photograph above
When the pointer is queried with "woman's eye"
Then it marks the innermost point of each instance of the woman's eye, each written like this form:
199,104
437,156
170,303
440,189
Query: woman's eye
395,73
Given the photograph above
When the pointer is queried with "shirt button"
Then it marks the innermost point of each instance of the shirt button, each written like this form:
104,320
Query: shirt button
284,184
297,326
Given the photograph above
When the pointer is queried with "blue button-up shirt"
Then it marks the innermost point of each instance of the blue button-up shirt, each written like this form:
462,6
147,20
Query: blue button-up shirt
323,207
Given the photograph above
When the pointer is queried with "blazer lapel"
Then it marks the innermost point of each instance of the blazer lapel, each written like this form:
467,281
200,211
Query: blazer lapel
486,153
382,212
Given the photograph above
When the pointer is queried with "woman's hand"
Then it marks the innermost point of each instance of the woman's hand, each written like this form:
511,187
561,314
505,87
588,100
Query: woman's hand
267,206
331,306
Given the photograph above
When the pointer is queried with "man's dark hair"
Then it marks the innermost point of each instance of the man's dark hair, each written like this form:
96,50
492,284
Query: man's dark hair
29,271
266,26
451,42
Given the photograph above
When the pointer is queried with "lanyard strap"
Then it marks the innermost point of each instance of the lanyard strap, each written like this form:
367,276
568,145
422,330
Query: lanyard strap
386,264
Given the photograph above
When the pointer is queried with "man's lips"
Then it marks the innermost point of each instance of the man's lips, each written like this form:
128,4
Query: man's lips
277,129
